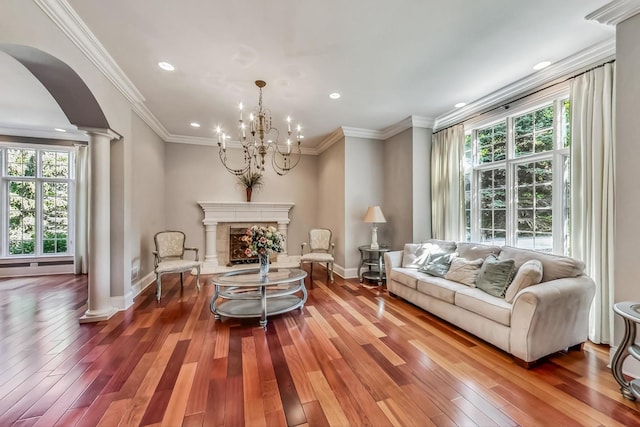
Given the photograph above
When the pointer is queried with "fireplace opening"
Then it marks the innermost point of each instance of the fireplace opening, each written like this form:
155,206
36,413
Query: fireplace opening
237,248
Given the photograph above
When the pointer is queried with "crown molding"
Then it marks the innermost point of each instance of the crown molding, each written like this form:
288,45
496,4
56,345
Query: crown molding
63,15
615,12
333,137
584,58
213,142
361,133
42,133
152,121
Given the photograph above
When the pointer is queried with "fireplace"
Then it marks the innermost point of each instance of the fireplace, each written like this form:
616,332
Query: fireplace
221,217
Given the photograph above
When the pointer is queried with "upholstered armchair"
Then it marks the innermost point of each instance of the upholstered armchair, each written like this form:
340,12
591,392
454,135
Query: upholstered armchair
169,258
320,249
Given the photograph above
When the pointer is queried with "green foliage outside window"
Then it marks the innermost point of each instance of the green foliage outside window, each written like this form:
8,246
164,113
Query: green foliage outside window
53,203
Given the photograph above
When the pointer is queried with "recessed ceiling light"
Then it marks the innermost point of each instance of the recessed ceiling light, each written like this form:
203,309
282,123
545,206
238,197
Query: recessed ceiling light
334,95
541,65
195,125
460,104
166,66
59,130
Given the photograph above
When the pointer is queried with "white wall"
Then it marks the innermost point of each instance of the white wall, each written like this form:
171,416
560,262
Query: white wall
194,173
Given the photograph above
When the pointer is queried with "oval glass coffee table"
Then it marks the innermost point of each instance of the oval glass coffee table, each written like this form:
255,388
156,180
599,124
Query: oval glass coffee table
241,293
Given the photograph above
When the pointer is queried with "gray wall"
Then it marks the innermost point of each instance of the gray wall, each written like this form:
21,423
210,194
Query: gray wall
398,189
194,173
421,158
627,195
364,187
148,188
331,196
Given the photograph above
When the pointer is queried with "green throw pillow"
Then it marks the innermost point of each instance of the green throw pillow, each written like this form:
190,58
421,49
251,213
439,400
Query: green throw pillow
495,276
437,264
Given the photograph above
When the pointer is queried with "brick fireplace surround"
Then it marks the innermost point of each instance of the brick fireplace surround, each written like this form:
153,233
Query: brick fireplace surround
220,216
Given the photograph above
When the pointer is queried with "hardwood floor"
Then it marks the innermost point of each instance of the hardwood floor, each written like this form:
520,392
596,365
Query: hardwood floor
353,356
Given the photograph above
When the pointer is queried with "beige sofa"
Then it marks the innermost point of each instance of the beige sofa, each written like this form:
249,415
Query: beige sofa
541,318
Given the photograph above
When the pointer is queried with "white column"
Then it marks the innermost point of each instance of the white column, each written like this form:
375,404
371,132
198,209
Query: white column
99,246
211,247
282,228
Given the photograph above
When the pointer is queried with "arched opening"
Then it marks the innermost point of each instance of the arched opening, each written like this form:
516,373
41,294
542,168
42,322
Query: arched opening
91,170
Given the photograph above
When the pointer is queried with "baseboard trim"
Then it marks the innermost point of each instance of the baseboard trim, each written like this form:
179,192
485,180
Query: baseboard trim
142,284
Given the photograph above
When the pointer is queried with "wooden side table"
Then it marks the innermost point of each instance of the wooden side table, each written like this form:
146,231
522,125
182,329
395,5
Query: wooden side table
630,313
373,259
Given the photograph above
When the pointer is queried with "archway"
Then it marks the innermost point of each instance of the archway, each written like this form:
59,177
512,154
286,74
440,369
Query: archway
82,110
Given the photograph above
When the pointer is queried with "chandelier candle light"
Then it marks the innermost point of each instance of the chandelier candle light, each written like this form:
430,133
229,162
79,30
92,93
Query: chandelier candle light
374,216
262,137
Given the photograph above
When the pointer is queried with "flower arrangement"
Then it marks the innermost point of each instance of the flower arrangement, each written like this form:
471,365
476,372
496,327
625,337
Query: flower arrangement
262,239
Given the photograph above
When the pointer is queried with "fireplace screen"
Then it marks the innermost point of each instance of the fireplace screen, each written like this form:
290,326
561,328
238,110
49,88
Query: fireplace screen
237,248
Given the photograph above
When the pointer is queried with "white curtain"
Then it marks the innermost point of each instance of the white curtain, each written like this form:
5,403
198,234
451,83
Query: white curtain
592,189
80,262
447,184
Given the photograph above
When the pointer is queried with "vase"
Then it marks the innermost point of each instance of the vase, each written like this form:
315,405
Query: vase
249,191
264,266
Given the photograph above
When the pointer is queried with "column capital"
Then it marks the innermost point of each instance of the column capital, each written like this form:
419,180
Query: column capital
107,133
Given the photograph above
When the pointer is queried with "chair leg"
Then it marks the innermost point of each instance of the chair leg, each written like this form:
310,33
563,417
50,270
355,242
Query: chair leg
181,280
311,273
330,271
158,286
198,278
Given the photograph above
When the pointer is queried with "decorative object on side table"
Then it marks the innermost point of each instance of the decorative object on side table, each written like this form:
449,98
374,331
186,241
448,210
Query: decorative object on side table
250,181
261,241
374,216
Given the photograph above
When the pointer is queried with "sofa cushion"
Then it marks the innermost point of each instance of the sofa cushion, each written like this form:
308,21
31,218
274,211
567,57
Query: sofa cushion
495,275
406,276
440,288
464,271
416,254
476,250
553,266
437,264
485,305
529,273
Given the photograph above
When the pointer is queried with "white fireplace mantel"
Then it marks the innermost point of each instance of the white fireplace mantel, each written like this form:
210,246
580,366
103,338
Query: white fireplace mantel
258,212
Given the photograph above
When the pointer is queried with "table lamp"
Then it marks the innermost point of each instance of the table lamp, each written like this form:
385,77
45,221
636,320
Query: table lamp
374,216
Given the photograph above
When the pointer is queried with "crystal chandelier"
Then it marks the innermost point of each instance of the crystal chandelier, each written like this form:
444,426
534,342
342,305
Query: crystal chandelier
256,137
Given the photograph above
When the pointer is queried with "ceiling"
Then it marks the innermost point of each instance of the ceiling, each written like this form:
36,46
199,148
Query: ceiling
388,59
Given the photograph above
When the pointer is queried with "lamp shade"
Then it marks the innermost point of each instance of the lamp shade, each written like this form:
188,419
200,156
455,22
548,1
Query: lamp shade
374,215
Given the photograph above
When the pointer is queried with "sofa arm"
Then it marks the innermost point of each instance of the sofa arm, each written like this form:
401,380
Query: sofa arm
392,259
550,317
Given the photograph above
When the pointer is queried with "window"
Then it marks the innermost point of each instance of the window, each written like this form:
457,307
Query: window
516,179
37,190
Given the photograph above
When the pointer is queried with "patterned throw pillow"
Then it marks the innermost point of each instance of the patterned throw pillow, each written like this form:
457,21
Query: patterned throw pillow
437,265
495,276
464,271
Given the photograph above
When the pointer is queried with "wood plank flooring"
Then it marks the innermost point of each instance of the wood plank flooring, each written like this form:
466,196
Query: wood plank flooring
353,356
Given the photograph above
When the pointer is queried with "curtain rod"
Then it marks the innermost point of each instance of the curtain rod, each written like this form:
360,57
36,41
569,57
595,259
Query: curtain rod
528,95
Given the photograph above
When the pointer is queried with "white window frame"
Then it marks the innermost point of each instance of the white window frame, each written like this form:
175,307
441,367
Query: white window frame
555,96
39,180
